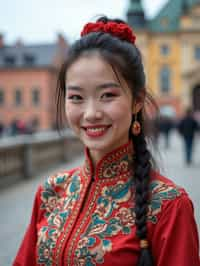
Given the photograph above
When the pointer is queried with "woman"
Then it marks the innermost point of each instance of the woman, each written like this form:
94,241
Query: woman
115,209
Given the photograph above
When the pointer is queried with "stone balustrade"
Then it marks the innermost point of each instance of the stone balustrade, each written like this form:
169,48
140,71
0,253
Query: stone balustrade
28,155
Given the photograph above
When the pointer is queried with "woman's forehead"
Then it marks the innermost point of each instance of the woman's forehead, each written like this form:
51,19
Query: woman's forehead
92,69
87,64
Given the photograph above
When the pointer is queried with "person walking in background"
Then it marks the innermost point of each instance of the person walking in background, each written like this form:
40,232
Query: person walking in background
187,128
2,128
166,127
115,208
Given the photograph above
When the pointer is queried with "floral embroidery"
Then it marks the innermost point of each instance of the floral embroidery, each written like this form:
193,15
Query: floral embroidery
126,217
112,217
106,222
116,163
160,192
58,207
116,167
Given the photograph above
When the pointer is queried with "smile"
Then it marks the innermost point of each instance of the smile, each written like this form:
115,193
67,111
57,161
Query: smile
96,131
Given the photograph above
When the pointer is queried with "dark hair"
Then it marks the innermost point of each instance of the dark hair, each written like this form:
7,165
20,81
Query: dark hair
125,58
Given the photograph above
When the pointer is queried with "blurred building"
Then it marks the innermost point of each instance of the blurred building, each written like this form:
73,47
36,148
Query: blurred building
28,76
170,44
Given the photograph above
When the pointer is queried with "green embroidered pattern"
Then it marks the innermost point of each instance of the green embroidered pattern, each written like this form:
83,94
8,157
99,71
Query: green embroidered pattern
96,240
160,192
57,210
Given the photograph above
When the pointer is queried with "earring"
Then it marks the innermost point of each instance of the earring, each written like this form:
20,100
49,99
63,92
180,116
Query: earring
136,127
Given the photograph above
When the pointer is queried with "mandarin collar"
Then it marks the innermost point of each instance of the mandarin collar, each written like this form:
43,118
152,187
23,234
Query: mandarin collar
118,162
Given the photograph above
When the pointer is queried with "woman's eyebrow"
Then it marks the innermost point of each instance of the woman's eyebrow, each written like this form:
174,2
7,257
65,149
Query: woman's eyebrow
101,86
75,88
108,85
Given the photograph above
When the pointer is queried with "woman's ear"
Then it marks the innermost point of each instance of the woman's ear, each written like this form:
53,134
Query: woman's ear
139,102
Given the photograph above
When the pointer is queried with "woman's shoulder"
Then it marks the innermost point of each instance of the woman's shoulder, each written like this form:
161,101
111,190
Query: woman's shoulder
164,194
160,184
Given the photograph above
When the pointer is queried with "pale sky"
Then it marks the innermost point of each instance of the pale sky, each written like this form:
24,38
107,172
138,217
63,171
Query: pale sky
39,21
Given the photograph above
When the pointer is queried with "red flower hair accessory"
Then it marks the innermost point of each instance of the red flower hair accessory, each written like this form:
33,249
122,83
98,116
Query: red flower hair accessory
120,30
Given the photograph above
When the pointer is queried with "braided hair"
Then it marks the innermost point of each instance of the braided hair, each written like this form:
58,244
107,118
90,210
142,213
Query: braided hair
126,58
142,177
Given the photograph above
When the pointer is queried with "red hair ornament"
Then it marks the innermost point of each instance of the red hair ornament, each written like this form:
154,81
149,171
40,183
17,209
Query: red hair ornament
120,30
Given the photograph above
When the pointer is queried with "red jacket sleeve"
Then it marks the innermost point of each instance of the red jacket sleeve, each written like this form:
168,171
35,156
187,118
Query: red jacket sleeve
26,255
175,239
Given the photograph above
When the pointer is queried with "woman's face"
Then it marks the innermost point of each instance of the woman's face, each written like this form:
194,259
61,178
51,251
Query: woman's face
98,107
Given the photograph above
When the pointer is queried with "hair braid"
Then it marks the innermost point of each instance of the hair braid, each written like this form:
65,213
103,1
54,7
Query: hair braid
142,178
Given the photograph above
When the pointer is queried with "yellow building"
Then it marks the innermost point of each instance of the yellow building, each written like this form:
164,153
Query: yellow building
170,45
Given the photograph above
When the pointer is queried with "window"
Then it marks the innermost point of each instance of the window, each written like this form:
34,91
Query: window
164,49
2,97
9,60
197,52
18,97
29,59
165,79
35,97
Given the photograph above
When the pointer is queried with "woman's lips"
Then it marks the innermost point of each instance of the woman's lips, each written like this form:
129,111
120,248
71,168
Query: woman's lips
96,131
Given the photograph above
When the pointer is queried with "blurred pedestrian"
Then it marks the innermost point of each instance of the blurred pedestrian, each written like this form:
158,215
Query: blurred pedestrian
14,127
2,127
21,126
166,126
187,127
115,209
32,126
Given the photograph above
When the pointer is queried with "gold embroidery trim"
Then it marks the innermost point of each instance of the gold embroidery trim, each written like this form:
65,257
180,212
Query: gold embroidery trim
72,218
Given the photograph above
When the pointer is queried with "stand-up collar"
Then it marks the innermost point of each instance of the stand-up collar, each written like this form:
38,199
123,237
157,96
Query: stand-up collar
115,163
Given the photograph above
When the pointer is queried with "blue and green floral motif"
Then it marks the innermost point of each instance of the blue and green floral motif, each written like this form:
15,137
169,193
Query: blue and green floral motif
108,220
160,192
57,210
111,196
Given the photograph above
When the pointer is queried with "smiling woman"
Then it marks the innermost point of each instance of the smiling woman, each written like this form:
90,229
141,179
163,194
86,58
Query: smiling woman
115,209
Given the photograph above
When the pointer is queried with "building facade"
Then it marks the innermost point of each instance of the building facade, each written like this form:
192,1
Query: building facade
28,76
170,46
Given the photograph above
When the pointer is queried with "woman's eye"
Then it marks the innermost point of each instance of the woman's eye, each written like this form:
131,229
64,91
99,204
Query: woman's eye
108,95
75,98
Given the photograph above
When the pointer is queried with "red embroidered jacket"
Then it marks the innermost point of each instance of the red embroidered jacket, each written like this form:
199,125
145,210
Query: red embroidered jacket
69,228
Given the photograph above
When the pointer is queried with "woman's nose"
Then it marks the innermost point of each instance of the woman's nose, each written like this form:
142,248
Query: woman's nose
92,112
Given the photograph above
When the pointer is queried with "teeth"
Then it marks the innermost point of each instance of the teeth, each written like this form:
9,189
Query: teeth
96,129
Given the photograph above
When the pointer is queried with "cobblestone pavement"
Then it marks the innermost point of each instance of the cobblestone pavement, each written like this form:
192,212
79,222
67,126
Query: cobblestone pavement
16,201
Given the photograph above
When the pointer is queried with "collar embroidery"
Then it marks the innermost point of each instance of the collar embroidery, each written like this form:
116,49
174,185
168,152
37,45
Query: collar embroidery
116,163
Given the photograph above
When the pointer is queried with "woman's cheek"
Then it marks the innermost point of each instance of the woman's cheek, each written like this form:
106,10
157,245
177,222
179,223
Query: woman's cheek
119,110
68,111
72,113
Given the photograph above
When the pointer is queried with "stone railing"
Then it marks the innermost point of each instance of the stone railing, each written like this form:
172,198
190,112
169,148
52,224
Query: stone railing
27,155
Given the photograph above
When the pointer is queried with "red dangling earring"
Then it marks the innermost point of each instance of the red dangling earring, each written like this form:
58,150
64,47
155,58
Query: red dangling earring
136,127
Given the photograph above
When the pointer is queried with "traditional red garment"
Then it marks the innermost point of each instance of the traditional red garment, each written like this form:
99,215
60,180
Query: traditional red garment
69,228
